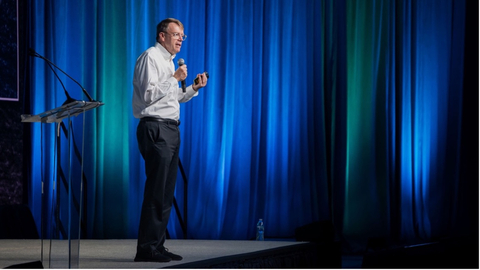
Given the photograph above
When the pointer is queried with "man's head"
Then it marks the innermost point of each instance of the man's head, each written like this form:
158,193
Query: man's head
170,35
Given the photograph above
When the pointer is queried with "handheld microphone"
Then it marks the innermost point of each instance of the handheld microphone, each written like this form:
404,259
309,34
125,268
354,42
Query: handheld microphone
180,63
196,79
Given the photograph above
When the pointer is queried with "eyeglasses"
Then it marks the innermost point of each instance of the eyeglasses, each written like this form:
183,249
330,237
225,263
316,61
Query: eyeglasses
177,35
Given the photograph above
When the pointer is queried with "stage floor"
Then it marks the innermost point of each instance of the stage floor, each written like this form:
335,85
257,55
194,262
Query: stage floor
109,254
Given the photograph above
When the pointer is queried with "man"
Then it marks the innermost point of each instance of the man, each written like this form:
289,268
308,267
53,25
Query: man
156,98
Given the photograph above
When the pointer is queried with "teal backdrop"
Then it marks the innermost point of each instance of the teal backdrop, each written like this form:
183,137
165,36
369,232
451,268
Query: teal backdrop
364,113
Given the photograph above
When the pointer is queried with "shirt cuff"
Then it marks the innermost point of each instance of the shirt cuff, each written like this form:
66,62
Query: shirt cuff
190,92
173,81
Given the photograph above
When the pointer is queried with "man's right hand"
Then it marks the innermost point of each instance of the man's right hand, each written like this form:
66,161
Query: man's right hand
181,73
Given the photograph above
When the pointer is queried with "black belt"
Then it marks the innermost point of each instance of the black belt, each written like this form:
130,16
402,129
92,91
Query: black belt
166,121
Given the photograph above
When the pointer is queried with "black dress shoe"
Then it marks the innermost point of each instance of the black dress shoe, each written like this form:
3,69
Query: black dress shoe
154,256
174,257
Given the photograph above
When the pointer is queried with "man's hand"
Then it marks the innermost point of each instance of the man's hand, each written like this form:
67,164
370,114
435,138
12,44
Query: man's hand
202,82
181,73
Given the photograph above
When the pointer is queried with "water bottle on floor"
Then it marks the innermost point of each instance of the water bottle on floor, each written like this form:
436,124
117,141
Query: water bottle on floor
260,230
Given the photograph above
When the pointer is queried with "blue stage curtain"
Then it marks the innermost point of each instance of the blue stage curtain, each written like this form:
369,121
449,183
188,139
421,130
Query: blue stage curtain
348,111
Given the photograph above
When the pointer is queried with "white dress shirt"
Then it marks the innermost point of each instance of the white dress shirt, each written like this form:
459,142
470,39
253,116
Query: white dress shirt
155,90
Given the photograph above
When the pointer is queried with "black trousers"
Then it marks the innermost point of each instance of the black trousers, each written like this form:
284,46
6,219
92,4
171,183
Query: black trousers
159,144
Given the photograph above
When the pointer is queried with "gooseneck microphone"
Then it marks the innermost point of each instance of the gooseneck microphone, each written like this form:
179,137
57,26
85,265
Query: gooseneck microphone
50,63
180,63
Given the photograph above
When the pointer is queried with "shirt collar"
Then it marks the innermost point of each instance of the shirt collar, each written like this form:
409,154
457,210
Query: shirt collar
164,52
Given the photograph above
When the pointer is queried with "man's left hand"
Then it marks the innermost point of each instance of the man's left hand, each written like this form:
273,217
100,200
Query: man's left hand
202,82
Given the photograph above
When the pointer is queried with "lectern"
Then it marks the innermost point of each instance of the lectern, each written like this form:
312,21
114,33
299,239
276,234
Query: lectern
64,215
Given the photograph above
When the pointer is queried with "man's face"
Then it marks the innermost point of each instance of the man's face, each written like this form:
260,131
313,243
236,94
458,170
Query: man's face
172,40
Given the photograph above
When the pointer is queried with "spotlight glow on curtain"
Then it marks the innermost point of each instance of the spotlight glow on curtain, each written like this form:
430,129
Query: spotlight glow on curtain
341,110
432,57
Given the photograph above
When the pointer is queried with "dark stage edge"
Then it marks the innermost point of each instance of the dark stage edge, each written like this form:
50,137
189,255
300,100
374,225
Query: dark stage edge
119,254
